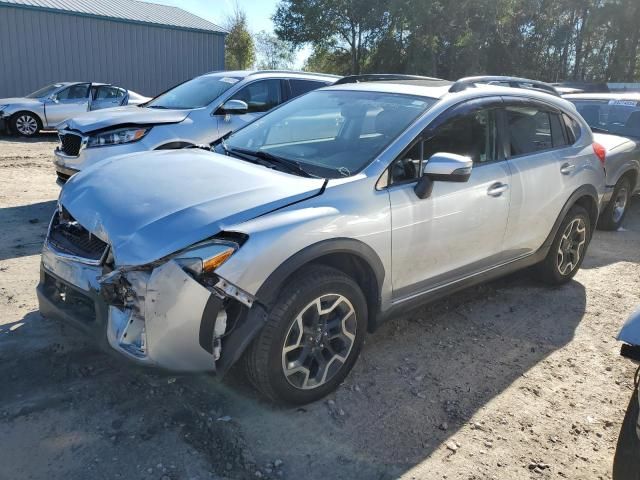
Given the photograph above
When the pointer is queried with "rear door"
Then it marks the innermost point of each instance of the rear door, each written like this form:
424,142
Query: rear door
543,165
107,96
68,103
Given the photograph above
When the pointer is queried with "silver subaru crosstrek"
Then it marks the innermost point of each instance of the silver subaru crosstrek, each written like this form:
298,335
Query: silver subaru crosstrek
195,112
306,229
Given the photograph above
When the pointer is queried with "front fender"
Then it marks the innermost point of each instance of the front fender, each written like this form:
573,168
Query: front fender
35,109
351,217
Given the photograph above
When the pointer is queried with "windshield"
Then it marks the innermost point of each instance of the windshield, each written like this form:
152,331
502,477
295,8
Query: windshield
331,133
619,117
196,93
45,91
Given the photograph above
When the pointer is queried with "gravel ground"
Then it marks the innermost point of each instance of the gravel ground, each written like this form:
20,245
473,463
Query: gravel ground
510,380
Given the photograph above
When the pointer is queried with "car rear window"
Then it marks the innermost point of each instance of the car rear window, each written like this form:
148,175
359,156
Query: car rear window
618,117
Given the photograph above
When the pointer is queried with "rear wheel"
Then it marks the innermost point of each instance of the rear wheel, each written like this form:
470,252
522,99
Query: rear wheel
626,463
568,248
312,337
25,124
614,213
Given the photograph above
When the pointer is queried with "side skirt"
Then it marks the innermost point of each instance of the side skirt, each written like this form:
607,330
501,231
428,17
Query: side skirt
421,298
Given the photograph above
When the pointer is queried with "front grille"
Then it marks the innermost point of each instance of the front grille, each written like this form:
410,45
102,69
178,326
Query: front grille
69,299
68,236
70,144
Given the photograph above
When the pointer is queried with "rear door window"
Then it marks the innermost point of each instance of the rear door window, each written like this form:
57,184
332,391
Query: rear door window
530,129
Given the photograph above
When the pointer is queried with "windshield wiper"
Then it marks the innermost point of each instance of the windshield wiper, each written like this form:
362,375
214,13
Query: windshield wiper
159,107
291,165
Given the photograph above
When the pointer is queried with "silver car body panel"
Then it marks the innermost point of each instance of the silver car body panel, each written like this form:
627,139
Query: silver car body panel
170,200
198,126
623,153
630,332
623,156
51,113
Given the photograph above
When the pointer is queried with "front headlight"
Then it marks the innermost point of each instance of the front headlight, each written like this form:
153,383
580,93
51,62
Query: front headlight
117,137
202,259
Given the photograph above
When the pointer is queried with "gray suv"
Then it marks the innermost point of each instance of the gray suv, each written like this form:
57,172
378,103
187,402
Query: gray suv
195,112
306,229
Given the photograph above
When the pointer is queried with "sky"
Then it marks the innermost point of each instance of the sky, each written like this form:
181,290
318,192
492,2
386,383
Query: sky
258,12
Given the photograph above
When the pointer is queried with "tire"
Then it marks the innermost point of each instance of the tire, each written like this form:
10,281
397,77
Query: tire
626,462
573,235
295,307
613,215
26,124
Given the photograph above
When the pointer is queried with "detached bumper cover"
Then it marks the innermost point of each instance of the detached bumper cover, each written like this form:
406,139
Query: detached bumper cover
161,328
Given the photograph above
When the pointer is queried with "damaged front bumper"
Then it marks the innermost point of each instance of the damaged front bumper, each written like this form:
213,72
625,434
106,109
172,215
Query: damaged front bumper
159,316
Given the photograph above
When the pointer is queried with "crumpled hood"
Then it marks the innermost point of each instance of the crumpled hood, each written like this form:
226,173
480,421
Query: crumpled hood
611,142
20,100
150,205
129,115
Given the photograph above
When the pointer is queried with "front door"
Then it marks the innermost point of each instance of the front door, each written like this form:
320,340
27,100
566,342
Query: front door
459,229
67,103
260,96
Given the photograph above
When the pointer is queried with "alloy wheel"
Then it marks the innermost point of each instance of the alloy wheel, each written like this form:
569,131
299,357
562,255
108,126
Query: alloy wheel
619,204
319,341
571,246
26,125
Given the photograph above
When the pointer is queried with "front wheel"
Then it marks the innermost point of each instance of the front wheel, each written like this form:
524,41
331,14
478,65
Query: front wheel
25,124
614,213
312,337
626,463
568,248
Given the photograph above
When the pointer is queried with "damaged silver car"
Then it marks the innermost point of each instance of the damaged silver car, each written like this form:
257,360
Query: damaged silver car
306,229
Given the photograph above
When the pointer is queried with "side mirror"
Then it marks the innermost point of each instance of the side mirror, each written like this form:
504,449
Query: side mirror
54,98
444,167
234,106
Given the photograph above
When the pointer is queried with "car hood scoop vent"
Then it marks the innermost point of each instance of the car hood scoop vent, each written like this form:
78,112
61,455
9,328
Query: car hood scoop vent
147,206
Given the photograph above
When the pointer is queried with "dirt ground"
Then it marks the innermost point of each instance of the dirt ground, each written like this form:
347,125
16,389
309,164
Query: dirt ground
510,380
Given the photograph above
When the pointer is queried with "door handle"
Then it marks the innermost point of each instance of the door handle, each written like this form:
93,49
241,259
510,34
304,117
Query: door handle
567,168
497,189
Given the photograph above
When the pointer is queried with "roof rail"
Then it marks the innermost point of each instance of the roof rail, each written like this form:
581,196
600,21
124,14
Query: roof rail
385,77
513,82
302,72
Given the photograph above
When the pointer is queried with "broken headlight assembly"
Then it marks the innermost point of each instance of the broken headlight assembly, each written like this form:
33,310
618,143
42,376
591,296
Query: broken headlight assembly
202,259
117,137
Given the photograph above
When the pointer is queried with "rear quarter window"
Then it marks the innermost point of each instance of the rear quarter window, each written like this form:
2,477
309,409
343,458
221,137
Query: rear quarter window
573,129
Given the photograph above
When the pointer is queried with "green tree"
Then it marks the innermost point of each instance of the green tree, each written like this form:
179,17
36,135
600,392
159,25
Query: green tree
337,26
239,47
273,53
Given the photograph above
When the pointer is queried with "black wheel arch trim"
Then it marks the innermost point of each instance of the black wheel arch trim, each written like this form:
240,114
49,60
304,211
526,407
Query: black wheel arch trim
582,191
269,289
251,323
34,114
